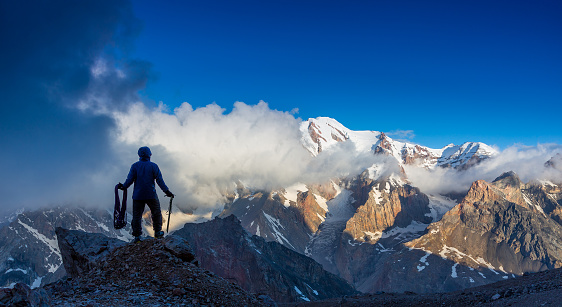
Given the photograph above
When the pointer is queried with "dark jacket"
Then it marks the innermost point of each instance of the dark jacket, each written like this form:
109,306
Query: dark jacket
143,173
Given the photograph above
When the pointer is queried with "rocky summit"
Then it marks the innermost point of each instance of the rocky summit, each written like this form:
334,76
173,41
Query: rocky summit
104,272
506,226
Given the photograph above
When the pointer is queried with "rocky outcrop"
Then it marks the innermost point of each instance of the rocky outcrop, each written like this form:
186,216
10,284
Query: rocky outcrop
381,214
384,145
312,215
154,272
81,251
224,247
505,225
387,205
22,295
499,230
326,190
555,162
418,155
271,215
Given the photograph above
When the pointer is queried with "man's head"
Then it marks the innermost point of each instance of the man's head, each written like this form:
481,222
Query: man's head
144,153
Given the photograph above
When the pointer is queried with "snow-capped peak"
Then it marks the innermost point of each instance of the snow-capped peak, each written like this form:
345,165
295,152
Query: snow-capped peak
322,133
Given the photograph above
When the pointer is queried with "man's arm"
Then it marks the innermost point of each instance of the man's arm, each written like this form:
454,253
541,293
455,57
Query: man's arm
160,181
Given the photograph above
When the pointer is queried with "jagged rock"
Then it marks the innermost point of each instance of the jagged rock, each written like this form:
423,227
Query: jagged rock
505,225
154,272
380,215
22,295
224,247
179,248
498,231
385,206
275,218
81,251
555,162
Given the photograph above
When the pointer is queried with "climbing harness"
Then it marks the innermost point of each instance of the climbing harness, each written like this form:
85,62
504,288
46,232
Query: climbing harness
120,210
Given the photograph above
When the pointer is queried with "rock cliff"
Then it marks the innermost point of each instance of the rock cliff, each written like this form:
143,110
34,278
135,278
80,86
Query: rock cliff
224,247
505,225
107,272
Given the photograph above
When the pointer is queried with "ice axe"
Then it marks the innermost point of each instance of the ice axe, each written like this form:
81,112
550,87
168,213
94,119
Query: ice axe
169,213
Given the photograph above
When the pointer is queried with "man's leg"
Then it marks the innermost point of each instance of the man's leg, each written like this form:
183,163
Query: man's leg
156,213
138,209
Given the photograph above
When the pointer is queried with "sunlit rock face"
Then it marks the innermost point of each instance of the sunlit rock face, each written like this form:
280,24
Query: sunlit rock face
506,225
287,219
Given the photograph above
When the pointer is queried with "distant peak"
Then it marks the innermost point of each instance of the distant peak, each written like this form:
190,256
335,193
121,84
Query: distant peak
508,179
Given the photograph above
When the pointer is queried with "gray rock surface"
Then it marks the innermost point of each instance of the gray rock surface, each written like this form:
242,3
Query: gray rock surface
224,247
153,272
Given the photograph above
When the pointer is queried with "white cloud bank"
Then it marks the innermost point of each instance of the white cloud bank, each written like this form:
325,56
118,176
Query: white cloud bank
527,161
202,152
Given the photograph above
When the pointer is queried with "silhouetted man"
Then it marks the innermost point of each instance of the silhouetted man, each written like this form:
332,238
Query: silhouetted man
143,173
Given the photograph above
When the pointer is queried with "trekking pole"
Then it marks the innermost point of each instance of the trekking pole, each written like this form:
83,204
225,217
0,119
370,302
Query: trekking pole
169,213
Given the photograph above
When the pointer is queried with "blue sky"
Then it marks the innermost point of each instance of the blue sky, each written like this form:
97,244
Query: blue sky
451,71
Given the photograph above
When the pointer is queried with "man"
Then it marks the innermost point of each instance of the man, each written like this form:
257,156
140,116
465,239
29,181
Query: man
143,173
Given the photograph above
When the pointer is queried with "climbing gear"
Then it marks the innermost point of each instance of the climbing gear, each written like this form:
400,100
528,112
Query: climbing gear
136,240
159,235
120,210
169,212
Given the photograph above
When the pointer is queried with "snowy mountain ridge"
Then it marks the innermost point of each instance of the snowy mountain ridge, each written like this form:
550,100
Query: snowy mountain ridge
322,133
29,251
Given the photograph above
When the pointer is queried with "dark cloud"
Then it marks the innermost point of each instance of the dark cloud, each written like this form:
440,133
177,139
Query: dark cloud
59,58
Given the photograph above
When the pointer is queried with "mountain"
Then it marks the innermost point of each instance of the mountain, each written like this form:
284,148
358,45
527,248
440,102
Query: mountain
289,217
105,271
29,252
381,234
364,240
535,289
7,216
225,248
322,133
162,272
367,229
292,215
375,230
505,225
555,162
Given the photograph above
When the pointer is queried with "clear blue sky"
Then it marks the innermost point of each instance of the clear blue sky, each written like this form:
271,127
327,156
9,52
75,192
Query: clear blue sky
451,71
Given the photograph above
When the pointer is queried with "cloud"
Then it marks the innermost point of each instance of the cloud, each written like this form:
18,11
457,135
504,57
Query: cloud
527,161
204,152
71,121
402,134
